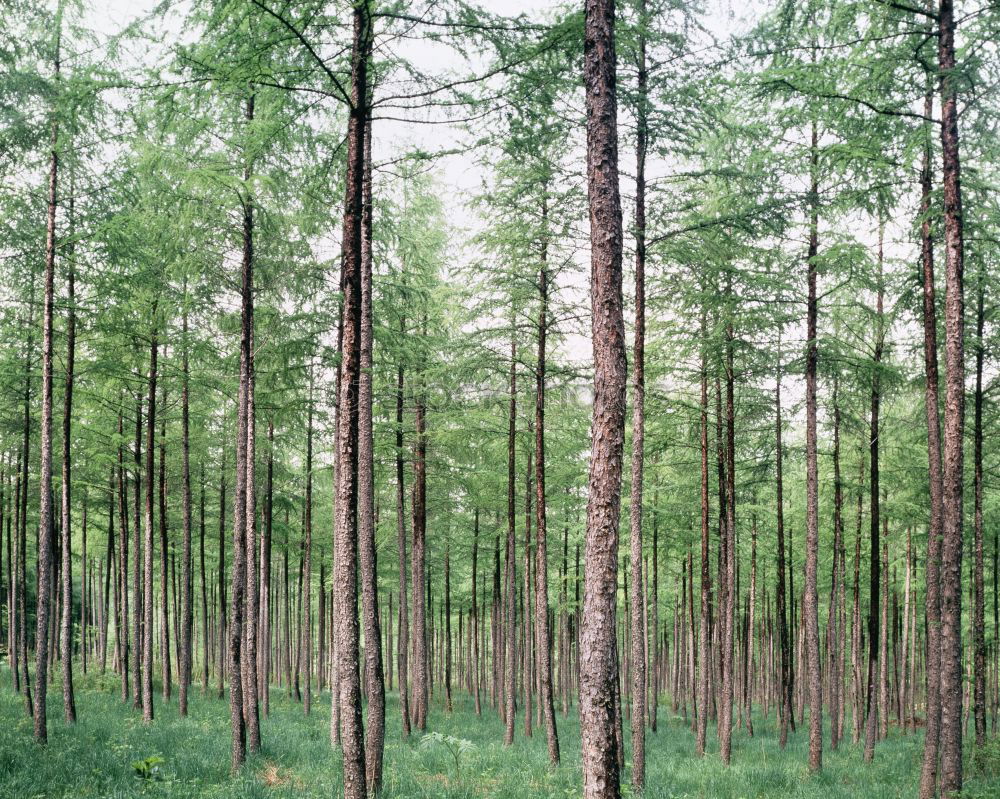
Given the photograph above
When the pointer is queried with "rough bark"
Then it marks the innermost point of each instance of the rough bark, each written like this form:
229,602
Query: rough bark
147,555
374,676
346,531
979,609
597,632
810,610
186,579
403,634
638,651
542,634
510,569
954,415
66,528
45,522
932,603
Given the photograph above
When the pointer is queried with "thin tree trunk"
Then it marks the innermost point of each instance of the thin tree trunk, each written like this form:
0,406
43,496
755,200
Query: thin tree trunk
932,603
374,676
403,642
810,609
978,610
66,569
187,610
638,654
510,707
542,634
45,523
147,563
874,594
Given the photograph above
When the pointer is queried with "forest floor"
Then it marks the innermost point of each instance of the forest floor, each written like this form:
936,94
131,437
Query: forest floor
101,756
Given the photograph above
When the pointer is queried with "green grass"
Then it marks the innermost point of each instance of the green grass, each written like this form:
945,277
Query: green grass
95,758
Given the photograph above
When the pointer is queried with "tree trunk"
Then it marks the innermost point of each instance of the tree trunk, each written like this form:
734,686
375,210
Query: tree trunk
346,531
542,634
45,522
954,416
598,662
187,609
704,676
403,636
638,653
164,584
785,673
66,529
874,596
147,563
510,707
374,677
932,603
810,609
979,609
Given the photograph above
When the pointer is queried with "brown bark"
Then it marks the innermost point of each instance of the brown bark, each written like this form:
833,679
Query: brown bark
597,632
954,415
785,672
810,609
164,584
66,530
542,634
704,676
374,676
510,706
979,609
187,609
305,649
404,622
251,705
638,652
147,562
932,603
45,522
474,620
346,533
834,628
874,594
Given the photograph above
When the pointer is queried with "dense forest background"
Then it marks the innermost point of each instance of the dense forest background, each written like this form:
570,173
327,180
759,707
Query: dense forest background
590,369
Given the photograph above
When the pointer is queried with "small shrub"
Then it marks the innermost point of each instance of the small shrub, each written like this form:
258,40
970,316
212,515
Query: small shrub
149,768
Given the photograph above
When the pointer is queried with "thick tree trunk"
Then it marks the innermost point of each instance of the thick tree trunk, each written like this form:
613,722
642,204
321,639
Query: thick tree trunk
346,531
954,416
598,663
